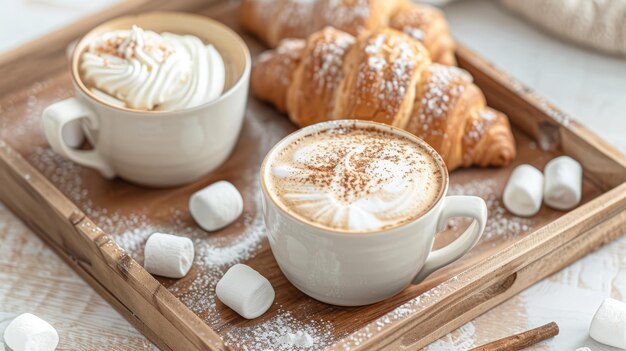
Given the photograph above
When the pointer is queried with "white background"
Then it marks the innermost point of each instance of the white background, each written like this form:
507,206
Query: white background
589,86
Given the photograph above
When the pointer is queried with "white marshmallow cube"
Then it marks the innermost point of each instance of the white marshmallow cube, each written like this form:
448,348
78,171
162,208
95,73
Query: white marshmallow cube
563,183
28,332
246,291
524,191
216,206
168,255
609,324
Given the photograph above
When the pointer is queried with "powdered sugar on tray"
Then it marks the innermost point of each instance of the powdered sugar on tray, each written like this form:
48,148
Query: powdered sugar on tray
282,332
500,222
241,248
131,231
540,101
461,337
29,104
63,173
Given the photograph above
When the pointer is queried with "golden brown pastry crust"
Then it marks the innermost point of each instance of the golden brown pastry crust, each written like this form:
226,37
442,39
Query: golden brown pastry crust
384,76
429,26
273,20
381,73
278,67
450,113
318,77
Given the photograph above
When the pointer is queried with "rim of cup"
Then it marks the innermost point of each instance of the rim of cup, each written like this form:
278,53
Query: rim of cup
165,17
360,124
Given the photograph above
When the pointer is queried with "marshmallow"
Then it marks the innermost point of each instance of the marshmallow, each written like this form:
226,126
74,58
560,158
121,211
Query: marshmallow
563,183
245,291
216,206
168,255
524,191
28,332
609,324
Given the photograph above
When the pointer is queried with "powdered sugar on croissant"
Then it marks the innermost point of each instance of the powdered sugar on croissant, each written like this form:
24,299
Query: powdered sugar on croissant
385,76
273,20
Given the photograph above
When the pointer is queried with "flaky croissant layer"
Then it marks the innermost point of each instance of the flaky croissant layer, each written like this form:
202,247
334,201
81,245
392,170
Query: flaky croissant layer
384,76
273,20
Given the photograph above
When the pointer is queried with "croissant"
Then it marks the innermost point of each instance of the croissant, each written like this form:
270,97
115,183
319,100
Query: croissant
384,76
273,20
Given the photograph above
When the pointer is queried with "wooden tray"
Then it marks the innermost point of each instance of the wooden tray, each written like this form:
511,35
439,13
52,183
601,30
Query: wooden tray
99,226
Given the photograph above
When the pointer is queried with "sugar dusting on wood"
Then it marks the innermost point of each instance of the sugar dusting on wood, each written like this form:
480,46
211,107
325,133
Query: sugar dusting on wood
545,106
500,222
411,307
271,333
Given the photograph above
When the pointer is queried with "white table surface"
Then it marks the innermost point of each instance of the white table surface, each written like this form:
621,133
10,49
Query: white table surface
588,85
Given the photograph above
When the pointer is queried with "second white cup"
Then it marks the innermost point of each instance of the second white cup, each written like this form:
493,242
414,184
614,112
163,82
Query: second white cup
156,148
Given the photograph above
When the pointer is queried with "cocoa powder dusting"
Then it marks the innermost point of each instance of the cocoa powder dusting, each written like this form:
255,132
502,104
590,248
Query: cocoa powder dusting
346,172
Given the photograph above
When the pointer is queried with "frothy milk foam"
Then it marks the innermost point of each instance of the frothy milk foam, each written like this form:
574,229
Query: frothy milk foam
354,178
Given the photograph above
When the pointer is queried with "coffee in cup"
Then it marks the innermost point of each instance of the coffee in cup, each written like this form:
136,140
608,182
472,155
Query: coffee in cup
355,179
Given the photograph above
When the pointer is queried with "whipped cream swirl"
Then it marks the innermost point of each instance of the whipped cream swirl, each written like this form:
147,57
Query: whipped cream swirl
150,71
355,179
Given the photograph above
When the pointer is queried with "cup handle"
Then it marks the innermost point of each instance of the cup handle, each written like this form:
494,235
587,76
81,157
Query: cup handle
56,116
456,206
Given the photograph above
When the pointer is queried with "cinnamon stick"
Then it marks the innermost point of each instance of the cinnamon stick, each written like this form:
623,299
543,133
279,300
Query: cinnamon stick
522,340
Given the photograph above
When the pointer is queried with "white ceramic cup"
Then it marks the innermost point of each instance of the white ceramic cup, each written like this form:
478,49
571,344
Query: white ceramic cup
156,148
353,269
